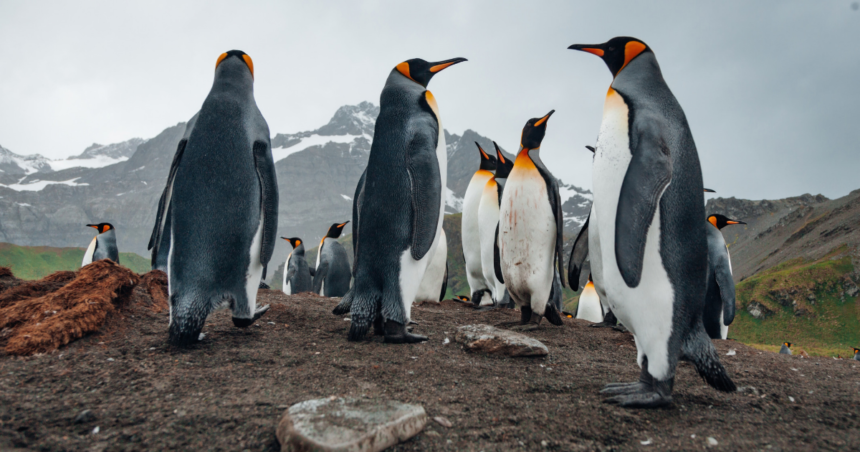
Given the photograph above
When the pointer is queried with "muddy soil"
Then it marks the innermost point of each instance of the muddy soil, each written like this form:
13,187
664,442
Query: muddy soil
228,392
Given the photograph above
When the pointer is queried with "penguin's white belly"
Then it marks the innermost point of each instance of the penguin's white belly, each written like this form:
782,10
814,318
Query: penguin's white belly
527,234
471,235
431,283
255,270
488,219
724,329
645,310
589,306
286,284
88,254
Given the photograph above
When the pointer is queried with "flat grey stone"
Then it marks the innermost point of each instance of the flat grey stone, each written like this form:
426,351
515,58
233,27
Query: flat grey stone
488,339
347,424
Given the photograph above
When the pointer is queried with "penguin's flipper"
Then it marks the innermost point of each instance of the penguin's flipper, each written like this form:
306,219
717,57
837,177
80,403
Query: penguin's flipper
577,256
723,273
319,277
648,175
497,257
698,349
269,198
423,169
555,203
345,304
444,283
164,202
553,315
312,271
290,273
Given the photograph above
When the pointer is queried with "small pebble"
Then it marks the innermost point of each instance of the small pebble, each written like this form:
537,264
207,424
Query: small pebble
544,443
202,335
646,442
731,352
110,359
446,341
712,441
96,430
83,417
791,398
443,422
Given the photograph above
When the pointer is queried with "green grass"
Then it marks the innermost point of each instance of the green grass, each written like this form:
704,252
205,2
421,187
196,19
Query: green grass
827,326
35,262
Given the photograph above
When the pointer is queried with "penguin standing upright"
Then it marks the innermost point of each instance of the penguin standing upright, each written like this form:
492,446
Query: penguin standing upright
222,199
331,272
646,225
857,354
479,285
401,206
530,232
297,275
488,224
785,349
103,245
719,308
434,284
589,307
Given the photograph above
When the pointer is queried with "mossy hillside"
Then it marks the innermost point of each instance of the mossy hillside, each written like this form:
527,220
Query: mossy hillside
36,262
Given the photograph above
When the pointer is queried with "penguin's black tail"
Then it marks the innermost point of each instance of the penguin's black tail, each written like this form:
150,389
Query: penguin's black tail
364,309
345,304
699,350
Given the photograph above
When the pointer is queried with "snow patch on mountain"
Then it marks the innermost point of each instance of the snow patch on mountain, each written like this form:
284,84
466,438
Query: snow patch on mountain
39,185
11,162
99,161
453,203
283,152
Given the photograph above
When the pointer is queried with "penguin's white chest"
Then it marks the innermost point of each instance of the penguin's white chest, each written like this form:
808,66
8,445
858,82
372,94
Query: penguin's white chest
488,219
286,284
88,254
589,305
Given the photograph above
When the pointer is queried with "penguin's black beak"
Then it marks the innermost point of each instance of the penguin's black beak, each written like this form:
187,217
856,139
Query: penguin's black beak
442,65
590,148
594,49
707,190
542,121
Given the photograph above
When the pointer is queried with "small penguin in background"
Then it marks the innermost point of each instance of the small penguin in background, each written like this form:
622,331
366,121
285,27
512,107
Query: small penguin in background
401,205
221,198
297,275
470,230
103,245
463,298
331,272
530,233
647,244
434,284
719,311
786,348
857,354
488,224
589,307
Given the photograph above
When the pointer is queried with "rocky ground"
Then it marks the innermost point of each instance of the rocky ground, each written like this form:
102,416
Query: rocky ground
125,389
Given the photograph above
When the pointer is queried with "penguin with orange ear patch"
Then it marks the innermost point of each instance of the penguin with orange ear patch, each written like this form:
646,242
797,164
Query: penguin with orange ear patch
719,309
401,204
297,275
331,272
103,245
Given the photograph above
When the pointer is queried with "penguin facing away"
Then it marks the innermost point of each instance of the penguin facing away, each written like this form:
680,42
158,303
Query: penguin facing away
103,245
488,224
297,275
719,311
645,225
479,285
530,232
401,206
589,307
434,284
221,198
332,273
786,348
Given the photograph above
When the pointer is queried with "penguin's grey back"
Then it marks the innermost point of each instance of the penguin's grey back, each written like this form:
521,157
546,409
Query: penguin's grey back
339,273
301,280
106,246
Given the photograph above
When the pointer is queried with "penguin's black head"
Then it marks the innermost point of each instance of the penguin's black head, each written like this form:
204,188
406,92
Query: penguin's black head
856,351
101,227
787,344
238,55
721,221
335,230
616,53
589,278
504,166
488,162
534,132
420,71
294,241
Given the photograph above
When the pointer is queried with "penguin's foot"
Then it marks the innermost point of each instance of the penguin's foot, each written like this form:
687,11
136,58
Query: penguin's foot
645,393
651,399
532,324
620,328
601,325
396,333
244,323
178,338
637,387
412,322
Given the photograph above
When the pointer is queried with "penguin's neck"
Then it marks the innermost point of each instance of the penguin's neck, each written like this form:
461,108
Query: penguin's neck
299,251
239,84
642,71
525,156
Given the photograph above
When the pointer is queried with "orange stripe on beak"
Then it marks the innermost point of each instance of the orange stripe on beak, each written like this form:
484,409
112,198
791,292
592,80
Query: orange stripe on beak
440,67
598,52
543,120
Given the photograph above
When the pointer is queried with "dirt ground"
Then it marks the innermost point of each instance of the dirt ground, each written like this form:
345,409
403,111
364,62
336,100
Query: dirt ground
228,392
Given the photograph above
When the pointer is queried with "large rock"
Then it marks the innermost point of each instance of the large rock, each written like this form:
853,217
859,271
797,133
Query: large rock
488,339
346,424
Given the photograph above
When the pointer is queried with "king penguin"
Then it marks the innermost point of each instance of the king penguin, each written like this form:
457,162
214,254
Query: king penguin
589,307
857,354
297,275
434,284
401,205
331,272
530,232
719,309
646,225
786,348
221,199
488,225
470,230
103,245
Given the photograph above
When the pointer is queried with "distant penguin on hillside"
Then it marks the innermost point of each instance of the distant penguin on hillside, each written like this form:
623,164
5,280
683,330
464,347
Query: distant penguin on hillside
530,233
488,224
297,275
401,205
470,230
646,226
434,284
331,272
221,198
786,348
589,307
103,245
857,354
719,309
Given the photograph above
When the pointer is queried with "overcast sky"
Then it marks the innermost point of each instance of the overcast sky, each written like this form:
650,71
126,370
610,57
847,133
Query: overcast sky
770,88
